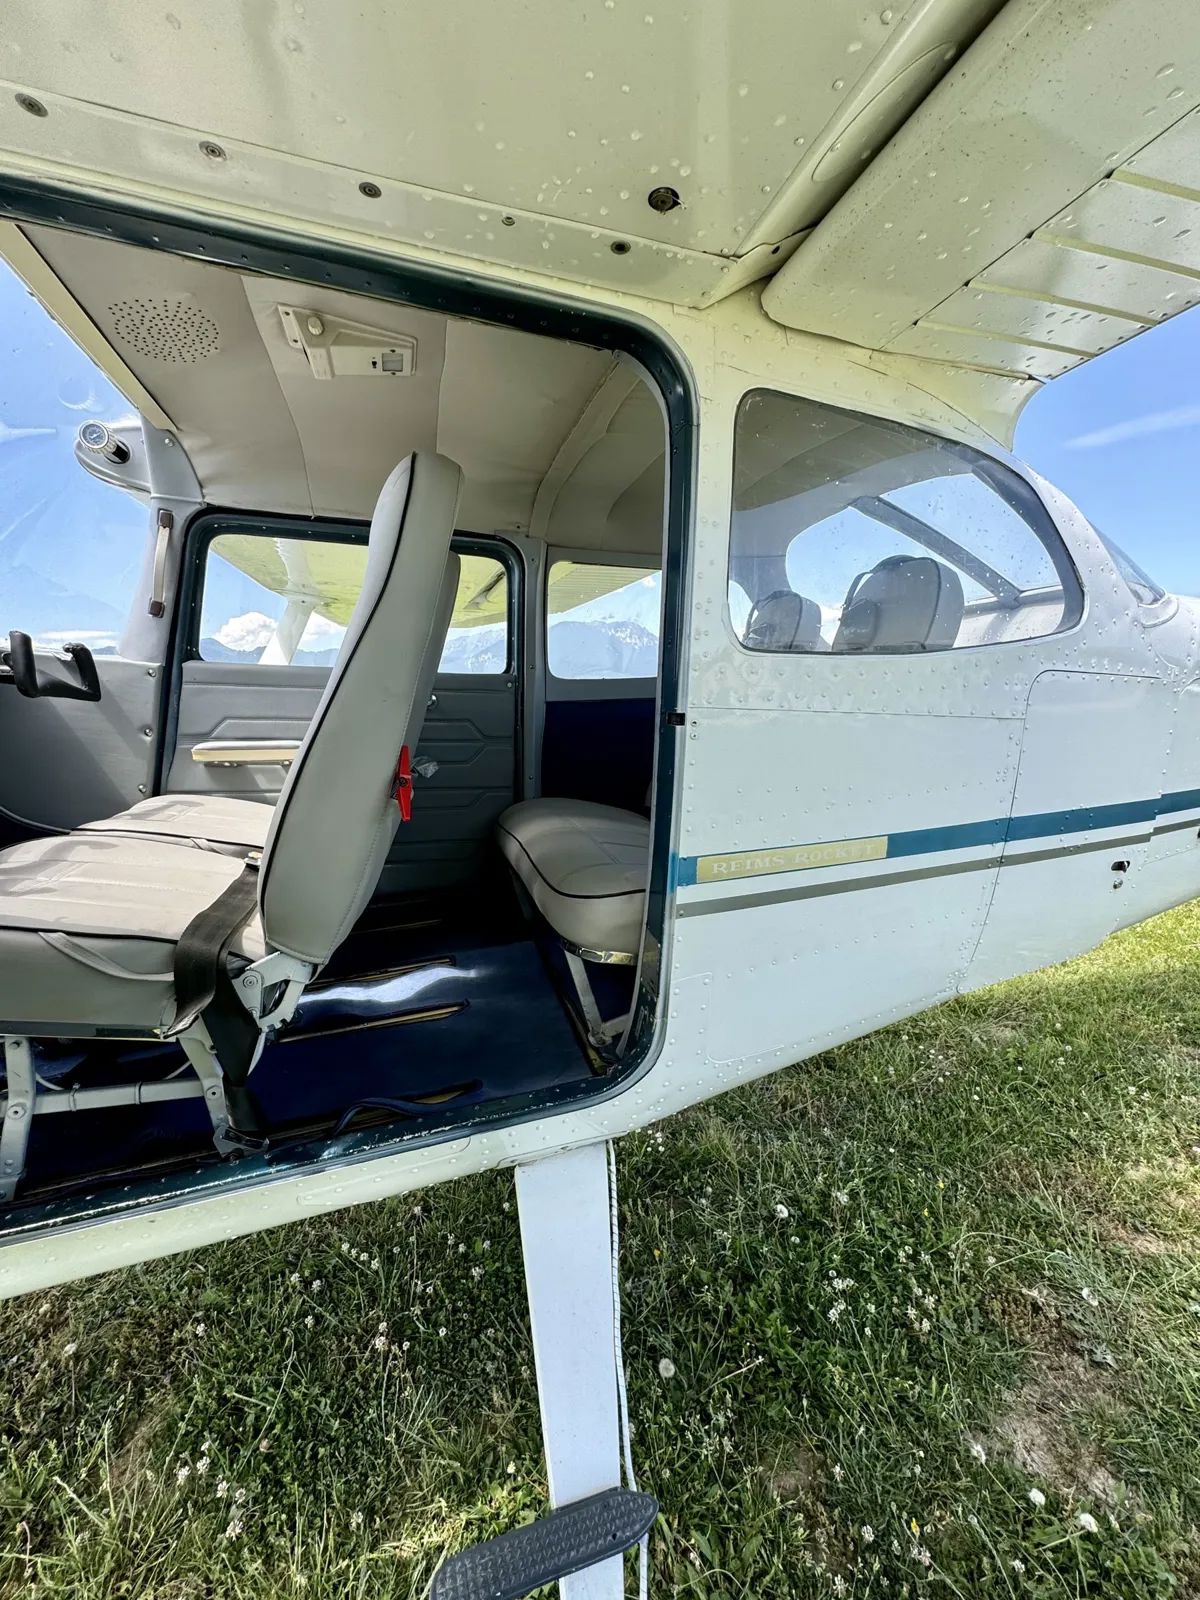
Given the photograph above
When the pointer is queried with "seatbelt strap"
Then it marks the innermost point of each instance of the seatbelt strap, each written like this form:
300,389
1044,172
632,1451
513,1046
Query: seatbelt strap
200,954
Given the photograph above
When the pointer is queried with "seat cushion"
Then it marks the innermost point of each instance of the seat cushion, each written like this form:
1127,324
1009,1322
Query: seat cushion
584,866
88,927
212,820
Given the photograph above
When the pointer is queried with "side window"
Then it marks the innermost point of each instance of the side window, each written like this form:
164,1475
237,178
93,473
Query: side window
861,536
71,547
602,621
268,601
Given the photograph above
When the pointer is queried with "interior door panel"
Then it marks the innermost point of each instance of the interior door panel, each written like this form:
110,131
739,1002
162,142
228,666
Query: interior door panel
470,732
72,761
599,749
224,700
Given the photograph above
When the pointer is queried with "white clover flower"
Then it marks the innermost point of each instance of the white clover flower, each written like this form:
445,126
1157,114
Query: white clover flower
868,1533
1090,1295
511,1468
839,1585
294,1277
310,1321
978,1452
666,1368
233,1529
838,1473
200,1330
183,1473
1037,1498
441,1333
782,1212
1017,1565
317,1285
356,1519
203,1465
835,1311
379,1342
841,1197
70,1349
1087,1522
222,1488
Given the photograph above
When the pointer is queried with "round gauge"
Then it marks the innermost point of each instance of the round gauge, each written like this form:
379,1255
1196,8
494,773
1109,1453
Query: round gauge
100,441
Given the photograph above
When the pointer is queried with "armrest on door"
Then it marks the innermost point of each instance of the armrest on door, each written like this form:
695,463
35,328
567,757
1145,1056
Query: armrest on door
246,752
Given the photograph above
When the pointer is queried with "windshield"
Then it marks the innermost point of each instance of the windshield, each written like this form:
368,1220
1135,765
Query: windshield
1144,588
70,546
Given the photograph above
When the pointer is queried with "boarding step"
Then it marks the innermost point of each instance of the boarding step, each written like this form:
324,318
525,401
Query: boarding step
568,1540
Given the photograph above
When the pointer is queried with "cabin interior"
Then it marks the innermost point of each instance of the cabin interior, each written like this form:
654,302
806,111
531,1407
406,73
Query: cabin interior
497,958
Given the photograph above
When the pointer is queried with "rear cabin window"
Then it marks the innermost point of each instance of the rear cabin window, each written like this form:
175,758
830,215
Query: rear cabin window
602,621
279,601
858,536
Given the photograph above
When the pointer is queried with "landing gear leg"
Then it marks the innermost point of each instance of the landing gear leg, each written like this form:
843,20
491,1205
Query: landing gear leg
567,1209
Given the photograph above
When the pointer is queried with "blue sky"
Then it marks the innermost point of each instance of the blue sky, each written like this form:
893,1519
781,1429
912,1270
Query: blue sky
1120,435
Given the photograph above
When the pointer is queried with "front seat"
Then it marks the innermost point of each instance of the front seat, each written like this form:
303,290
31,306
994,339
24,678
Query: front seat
104,935
784,620
903,604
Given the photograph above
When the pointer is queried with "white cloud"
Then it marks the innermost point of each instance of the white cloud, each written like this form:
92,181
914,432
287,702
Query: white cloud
321,633
253,630
1138,428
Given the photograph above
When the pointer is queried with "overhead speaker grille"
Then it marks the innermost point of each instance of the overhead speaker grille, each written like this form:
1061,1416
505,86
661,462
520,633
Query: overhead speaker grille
173,330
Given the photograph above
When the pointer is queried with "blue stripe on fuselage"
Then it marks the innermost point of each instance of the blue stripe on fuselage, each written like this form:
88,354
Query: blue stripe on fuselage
1004,830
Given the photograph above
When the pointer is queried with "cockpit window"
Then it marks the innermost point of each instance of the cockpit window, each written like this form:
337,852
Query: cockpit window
1144,588
271,600
855,535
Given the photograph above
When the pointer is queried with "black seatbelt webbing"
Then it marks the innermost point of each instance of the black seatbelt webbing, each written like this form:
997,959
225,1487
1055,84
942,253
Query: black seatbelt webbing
203,987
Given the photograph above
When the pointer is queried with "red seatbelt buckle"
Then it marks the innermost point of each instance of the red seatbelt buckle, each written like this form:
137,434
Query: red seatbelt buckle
402,784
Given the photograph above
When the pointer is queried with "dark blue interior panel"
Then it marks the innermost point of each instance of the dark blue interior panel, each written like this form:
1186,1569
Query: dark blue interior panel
599,750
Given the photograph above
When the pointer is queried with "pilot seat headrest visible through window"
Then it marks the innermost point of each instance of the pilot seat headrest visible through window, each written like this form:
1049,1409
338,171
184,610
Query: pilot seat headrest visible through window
905,603
784,620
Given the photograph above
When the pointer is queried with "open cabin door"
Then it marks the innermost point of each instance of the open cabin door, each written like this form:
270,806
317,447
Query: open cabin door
904,653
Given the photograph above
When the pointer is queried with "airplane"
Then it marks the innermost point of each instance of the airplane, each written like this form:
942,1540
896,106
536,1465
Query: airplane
541,622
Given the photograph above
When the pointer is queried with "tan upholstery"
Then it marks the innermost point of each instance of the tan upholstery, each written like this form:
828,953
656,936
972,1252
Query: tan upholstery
336,817
584,866
84,919
89,921
219,821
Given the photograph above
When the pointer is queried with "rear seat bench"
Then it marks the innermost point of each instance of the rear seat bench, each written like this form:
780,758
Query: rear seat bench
585,868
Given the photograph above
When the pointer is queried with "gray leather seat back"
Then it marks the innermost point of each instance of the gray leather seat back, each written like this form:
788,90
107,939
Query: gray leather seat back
905,603
784,620
335,819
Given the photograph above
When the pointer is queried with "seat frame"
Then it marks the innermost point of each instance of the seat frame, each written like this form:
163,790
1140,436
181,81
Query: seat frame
269,989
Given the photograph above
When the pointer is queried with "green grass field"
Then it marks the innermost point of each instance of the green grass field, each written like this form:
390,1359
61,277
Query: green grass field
932,1302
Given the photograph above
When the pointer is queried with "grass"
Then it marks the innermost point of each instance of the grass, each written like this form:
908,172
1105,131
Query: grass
928,1298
